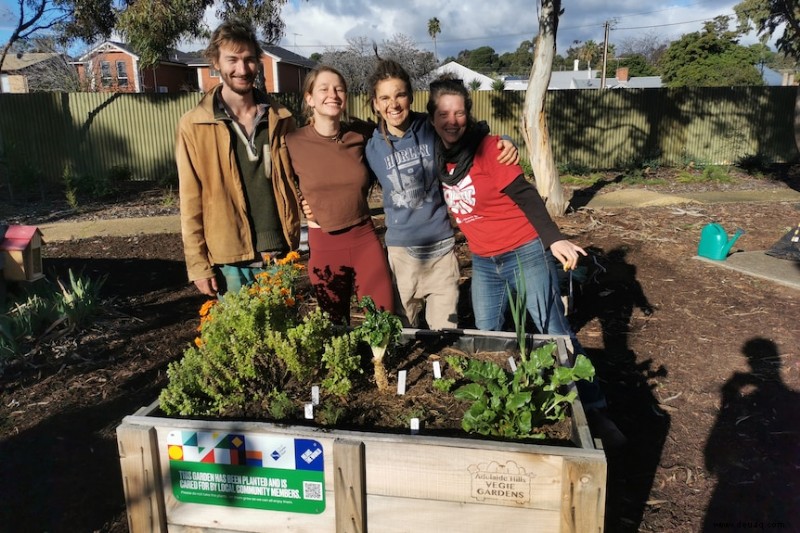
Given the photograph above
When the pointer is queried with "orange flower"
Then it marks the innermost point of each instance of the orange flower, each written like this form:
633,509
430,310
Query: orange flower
206,307
290,302
198,342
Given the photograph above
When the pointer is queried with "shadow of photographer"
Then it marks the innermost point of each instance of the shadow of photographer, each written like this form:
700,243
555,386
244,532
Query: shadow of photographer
754,447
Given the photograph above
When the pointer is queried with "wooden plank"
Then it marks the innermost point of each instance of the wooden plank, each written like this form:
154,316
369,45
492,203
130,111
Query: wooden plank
483,477
141,478
350,487
583,496
196,518
394,515
581,435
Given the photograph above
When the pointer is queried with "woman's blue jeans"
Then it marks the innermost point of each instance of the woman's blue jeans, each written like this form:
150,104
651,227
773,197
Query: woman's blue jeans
492,275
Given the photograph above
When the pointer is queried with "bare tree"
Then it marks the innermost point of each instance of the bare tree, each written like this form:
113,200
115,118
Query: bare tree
358,60
534,121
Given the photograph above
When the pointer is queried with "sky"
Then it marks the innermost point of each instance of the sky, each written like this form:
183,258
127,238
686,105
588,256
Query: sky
317,25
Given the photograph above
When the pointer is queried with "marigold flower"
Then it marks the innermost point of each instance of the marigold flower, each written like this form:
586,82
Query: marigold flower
198,342
290,302
206,307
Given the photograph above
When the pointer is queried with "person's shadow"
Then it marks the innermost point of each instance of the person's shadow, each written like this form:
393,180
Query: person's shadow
754,448
613,296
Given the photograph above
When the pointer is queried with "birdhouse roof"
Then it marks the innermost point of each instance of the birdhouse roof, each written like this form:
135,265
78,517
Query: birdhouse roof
17,238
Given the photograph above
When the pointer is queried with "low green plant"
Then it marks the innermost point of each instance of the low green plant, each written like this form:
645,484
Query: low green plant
168,197
574,168
380,329
444,384
514,404
45,308
280,406
255,343
80,300
70,188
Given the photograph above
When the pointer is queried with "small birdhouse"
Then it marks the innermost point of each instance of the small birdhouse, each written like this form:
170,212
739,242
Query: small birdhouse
21,251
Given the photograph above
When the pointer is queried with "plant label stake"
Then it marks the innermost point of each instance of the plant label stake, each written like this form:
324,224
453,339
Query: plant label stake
512,364
309,411
414,423
437,370
315,395
401,382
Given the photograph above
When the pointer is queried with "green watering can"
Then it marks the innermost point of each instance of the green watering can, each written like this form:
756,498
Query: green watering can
714,242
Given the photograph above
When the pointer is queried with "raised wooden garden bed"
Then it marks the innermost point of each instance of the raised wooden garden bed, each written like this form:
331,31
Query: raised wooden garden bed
202,475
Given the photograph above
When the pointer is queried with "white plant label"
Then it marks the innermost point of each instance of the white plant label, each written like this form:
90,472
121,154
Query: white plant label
437,370
414,423
309,411
401,382
315,395
512,364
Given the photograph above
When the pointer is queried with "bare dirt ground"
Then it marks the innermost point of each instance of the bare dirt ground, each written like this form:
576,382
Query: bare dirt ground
700,365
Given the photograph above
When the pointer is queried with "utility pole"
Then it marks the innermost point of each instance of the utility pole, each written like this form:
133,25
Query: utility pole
605,57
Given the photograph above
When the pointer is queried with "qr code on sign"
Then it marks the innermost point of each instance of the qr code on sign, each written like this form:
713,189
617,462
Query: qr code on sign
312,490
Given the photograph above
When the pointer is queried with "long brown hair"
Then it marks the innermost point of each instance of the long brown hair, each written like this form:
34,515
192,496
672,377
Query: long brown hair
308,86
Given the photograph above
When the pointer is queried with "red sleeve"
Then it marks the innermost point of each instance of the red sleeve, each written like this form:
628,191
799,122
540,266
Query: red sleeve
502,174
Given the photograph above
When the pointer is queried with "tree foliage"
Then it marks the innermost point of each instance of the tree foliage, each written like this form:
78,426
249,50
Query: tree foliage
768,16
150,27
636,64
710,58
434,29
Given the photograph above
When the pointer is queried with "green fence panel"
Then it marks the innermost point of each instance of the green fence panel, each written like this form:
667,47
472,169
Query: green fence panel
41,134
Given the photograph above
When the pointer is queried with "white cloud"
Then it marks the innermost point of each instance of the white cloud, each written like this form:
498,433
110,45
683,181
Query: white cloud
468,24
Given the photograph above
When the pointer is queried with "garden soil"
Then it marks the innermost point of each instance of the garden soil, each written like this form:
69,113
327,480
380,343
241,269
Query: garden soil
700,364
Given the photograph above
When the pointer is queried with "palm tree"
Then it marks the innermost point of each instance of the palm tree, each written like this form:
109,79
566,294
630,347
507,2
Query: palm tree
434,29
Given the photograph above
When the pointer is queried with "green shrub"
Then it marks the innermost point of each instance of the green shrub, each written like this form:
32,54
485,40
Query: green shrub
256,355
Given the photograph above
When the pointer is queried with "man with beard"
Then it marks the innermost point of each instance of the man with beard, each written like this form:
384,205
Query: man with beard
239,206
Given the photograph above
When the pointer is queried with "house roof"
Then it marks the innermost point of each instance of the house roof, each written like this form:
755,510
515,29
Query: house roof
13,63
172,56
16,238
466,74
571,79
287,56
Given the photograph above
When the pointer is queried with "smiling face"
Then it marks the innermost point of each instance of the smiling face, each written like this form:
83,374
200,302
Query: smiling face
327,96
237,64
393,103
450,118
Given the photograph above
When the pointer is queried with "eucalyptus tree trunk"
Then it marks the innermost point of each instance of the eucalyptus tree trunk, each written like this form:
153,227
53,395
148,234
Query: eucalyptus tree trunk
534,121
797,119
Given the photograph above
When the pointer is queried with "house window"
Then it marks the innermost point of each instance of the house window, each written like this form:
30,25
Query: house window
122,74
105,73
213,73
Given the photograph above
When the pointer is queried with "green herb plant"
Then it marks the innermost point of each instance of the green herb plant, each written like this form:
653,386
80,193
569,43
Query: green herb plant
516,404
380,330
255,348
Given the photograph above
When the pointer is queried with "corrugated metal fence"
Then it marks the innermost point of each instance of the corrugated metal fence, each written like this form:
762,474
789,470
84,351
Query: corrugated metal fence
93,132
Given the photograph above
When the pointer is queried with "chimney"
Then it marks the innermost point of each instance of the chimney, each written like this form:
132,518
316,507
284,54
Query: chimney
575,66
622,74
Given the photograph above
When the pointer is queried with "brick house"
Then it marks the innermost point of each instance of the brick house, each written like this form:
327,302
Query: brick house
284,71
114,67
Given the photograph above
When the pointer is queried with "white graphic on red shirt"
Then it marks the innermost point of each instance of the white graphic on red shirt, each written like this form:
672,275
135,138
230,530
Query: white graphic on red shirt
460,197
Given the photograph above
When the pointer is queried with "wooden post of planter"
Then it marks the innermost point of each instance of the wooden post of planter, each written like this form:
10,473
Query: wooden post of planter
583,487
350,486
141,478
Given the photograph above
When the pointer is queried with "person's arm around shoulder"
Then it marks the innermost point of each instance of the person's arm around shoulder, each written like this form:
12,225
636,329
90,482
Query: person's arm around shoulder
191,209
528,199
